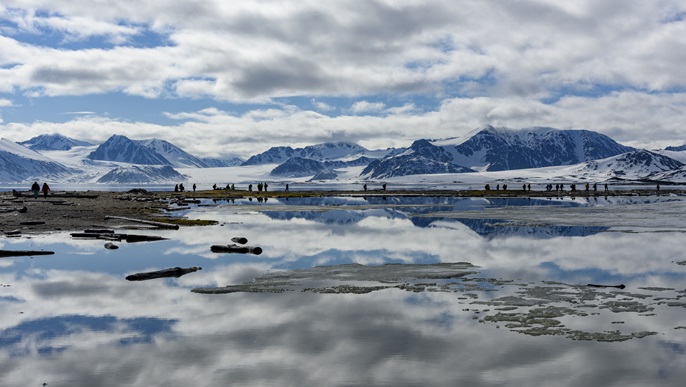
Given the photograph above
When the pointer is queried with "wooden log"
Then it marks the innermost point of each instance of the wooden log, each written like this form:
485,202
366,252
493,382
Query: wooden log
173,272
149,222
131,238
99,231
111,246
23,253
621,286
13,232
236,249
239,240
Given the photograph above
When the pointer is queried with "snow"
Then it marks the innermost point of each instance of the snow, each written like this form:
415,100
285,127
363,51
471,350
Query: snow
20,150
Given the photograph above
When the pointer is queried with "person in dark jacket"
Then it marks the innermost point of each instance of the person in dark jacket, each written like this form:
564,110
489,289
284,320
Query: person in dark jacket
35,188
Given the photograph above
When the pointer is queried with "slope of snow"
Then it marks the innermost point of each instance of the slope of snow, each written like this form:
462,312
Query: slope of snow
22,151
51,142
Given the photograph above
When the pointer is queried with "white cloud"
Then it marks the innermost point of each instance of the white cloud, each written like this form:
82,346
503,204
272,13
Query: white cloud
503,59
367,107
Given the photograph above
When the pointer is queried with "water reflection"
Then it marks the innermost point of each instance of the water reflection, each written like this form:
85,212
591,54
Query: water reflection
73,318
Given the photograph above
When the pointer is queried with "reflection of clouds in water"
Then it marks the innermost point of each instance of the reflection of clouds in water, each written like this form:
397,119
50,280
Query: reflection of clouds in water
392,337
306,339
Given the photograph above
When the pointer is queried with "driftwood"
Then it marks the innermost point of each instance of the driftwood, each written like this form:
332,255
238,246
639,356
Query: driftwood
239,240
13,232
236,249
130,238
173,272
149,222
21,210
32,223
23,253
607,286
111,246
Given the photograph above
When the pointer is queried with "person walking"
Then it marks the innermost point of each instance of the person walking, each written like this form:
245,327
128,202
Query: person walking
194,187
35,188
46,189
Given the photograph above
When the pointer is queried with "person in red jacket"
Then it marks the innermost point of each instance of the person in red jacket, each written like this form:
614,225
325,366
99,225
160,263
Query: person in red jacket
45,190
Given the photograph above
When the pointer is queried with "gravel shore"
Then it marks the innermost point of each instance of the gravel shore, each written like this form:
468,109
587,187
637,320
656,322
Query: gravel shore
21,214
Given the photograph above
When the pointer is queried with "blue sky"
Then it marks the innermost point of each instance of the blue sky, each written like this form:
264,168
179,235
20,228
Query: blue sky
220,78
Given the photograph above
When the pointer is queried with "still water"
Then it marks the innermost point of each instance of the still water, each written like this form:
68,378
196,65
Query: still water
360,292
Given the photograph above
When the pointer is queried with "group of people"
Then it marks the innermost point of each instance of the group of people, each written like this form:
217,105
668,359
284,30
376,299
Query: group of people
383,187
260,187
37,188
181,188
497,187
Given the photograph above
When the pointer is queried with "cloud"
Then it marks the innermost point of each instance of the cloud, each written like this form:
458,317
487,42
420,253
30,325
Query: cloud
367,107
512,64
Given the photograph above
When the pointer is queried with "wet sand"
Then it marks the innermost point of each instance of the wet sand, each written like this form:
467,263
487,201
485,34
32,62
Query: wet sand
76,211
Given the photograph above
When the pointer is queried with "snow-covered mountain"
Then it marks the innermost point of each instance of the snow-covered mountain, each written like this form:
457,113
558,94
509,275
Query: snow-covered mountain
298,167
122,149
679,148
49,142
421,158
498,149
218,163
176,156
19,164
142,174
321,152
301,166
636,165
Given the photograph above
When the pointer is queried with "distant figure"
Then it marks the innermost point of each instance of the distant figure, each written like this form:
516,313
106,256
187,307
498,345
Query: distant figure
504,187
250,187
214,186
384,186
35,188
487,187
562,187
364,186
606,187
588,186
658,188
286,187
46,189
524,187
193,187
595,187
176,188
529,186
181,187
265,187
497,187
233,187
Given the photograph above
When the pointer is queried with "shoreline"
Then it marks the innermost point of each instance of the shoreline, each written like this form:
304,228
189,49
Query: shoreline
76,211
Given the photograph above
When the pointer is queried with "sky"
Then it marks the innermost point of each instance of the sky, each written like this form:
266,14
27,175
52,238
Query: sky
221,78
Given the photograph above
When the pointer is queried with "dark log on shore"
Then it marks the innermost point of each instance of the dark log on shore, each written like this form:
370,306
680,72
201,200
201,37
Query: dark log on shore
32,223
239,240
23,253
173,272
149,222
13,232
21,210
607,286
130,238
99,231
236,249
111,246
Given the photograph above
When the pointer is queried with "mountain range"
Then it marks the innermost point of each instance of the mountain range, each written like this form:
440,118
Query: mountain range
119,159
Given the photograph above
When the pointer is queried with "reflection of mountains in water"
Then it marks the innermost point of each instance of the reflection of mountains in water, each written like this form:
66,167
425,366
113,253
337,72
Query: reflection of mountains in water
326,217
498,228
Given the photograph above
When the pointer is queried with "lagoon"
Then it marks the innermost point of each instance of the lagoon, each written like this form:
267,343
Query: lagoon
353,291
